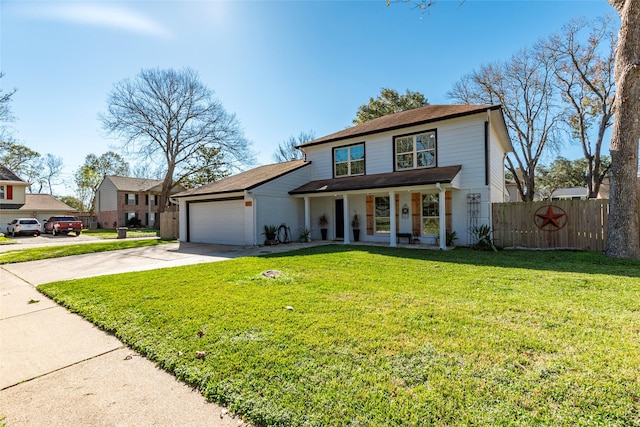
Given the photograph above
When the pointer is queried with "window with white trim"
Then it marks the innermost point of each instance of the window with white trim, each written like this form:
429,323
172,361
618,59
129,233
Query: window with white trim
2,192
430,214
416,151
382,214
348,161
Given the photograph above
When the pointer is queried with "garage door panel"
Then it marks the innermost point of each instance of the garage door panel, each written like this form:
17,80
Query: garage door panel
217,222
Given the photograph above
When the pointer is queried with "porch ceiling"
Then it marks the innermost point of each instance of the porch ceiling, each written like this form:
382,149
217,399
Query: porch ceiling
429,176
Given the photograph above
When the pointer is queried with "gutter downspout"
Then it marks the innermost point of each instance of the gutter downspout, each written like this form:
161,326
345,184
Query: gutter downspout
443,217
487,139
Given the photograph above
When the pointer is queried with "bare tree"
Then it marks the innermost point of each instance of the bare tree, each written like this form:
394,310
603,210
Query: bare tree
524,87
287,149
51,171
169,117
584,77
623,198
5,113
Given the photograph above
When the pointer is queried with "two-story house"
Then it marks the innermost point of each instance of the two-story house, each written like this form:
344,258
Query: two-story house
16,203
120,199
416,174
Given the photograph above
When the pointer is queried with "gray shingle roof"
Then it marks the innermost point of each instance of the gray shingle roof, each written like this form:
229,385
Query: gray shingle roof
7,175
245,180
381,180
416,116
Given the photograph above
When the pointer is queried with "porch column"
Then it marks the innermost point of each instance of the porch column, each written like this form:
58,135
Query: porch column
392,226
347,220
442,214
307,213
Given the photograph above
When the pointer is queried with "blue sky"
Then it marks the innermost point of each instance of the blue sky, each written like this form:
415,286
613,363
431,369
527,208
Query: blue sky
281,67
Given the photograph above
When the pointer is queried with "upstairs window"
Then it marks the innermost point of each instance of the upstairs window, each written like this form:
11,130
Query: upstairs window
348,161
151,200
416,151
130,199
6,192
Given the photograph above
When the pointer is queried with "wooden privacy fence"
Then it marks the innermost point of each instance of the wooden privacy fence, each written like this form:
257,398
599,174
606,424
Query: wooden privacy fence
169,225
560,224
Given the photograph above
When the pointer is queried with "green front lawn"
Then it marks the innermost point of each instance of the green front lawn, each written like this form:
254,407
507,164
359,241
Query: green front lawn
106,233
374,336
46,252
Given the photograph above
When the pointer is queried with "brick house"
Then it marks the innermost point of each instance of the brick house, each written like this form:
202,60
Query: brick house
120,199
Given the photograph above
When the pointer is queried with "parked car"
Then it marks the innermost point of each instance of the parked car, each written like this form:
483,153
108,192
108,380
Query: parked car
63,225
24,226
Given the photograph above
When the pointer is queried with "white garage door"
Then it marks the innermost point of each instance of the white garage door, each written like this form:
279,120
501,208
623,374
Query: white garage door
217,222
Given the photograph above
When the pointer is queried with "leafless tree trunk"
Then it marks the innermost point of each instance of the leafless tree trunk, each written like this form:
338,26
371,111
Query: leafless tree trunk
622,234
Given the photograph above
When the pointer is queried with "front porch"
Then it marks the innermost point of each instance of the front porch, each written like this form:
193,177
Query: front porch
383,208
420,216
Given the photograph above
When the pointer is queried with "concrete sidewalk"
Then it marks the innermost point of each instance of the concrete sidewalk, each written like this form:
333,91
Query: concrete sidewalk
56,369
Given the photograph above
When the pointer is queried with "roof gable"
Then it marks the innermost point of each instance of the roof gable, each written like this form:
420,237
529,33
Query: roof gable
245,180
45,202
7,175
416,116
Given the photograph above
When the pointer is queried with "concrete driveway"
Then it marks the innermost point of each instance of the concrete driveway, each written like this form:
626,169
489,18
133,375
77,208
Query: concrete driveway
56,369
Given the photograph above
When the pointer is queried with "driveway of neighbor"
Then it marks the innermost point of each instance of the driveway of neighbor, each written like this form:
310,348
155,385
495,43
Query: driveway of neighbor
58,369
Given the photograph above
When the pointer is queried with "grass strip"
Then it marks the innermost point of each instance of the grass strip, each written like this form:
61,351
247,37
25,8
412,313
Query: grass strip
382,336
106,233
46,252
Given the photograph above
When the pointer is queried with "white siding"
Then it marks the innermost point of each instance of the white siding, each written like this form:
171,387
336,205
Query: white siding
274,206
499,191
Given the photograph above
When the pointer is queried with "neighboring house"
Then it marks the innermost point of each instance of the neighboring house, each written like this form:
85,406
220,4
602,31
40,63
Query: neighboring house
16,203
513,194
119,199
428,170
605,188
572,193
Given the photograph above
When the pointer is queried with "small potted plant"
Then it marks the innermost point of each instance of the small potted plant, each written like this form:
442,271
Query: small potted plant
323,221
355,224
270,232
305,235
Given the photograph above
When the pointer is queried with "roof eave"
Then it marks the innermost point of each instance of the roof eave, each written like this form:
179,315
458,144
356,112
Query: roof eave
402,126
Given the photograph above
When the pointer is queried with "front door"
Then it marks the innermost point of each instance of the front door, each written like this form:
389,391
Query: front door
339,219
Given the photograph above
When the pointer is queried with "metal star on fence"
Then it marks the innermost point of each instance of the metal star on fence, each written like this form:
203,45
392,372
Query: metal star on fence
550,217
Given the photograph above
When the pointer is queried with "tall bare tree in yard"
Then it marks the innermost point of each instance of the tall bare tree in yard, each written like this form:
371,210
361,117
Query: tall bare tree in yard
287,149
523,86
584,76
52,169
623,229
169,117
